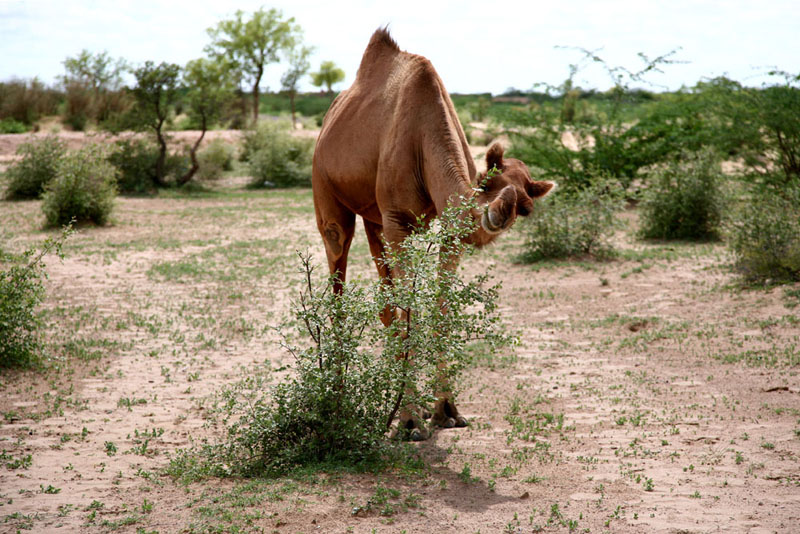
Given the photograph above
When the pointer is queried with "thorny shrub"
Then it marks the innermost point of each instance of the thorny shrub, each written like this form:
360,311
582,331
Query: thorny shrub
21,292
350,375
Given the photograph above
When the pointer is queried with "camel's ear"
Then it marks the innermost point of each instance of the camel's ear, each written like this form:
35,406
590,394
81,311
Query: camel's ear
540,189
494,157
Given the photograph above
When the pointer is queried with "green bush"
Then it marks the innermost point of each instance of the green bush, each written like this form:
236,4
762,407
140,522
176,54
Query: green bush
12,126
40,159
21,292
214,159
684,200
275,157
765,235
353,374
135,162
83,189
570,225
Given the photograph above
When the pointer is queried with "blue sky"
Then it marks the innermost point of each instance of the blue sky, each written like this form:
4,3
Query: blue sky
484,46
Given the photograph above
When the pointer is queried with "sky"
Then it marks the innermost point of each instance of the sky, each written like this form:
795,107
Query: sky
477,47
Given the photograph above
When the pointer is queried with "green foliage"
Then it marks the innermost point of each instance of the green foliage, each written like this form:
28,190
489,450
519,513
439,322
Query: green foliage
763,125
248,46
135,161
12,126
684,200
275,157
40,159
156,92
765,235
577,224
307,104
208,89
328,75
351,374
576,144
215,158
21,292
83,189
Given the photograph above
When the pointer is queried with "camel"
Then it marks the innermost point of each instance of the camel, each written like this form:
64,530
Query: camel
392,150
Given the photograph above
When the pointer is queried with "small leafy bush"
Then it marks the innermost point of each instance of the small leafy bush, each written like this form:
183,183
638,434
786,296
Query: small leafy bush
574,225
40,159
214,159
135,162
765,235
21,292
684,200
83,190
276,158
12,126
350,374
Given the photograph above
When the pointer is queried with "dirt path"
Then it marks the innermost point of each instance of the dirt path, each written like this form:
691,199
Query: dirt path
647,394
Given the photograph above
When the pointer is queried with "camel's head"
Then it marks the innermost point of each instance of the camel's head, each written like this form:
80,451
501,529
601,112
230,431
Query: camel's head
510,192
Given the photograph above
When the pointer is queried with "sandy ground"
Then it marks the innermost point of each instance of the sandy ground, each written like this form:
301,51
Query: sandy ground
667,398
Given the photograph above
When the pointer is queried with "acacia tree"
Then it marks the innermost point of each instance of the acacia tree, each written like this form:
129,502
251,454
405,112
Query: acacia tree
156,92
251,45
208,89
328,75
298,67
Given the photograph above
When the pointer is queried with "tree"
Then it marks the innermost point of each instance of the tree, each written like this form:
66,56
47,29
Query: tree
156,92
99,74
329,75
298,67
250,45
98,71
208,89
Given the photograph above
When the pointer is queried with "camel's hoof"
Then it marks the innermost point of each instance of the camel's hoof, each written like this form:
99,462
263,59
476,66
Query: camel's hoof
425,413
443,421
460,421
416,435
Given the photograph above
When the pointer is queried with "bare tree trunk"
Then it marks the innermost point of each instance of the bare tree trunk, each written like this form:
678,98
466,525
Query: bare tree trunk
256,94
193,155
162,156
294,117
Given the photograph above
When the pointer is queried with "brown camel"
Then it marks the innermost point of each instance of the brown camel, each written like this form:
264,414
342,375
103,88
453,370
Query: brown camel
392,150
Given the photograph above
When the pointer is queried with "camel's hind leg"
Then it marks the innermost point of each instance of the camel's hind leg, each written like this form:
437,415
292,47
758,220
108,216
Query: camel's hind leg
336,224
